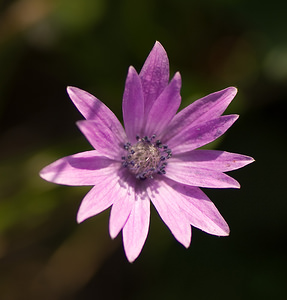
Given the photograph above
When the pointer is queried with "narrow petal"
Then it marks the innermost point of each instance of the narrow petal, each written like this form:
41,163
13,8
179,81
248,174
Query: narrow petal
100,197
204,109
79,169
154,75
198,208
194,137
184,174
93,109
133,105
136,228
123,204
165,204
164,107
213,160
102,138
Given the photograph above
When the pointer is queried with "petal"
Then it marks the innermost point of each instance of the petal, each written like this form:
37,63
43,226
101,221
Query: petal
136,228
163,200
185,174
199,210
213,160
154,75
100,197
164,107
102,138
93,109
133,105
123,204
193,137
79,169
204,109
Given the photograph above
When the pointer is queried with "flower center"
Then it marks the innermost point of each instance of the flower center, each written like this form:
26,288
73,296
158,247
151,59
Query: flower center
146,157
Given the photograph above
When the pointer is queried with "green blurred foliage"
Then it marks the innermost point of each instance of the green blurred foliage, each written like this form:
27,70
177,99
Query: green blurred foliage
46,45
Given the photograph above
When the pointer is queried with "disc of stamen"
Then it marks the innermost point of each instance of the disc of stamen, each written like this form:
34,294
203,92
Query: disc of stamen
145,158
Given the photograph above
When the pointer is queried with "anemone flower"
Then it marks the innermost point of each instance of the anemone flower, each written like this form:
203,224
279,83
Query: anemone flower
154,159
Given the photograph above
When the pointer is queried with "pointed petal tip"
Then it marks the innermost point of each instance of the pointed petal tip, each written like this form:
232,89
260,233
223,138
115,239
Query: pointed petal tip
113,235
113,230
158,48
221,233
42,174
187,243
233,90
233,117
71,90
47,174
80,124
80,218
131,259
132,69
132,73
218,230
177,76
234,185
158,44
223,230
131,255
227,233
249,160
83,216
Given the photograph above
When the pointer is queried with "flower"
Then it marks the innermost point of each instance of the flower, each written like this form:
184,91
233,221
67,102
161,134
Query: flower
155,159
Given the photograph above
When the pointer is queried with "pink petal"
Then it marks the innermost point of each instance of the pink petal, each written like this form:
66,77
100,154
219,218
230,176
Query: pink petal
133,105
154,75
79,169
193,137
136,228
213,160
93,109
102,138
198,208
202,110
164,107
165,204
100,197
123,204
184,174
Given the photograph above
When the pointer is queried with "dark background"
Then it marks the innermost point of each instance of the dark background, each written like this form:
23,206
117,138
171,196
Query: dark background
46,45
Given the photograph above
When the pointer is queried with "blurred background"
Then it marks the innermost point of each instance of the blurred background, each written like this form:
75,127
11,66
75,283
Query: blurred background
46,45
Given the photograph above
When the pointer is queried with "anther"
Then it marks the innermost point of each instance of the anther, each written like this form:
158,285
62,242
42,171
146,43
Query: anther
158,142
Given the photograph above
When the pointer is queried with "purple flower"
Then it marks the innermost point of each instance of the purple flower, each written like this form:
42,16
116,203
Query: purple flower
154,159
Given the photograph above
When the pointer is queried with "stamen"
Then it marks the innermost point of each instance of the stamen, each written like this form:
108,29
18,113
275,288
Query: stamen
146,157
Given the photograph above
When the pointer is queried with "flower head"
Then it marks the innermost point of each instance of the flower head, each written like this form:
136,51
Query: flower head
155,159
